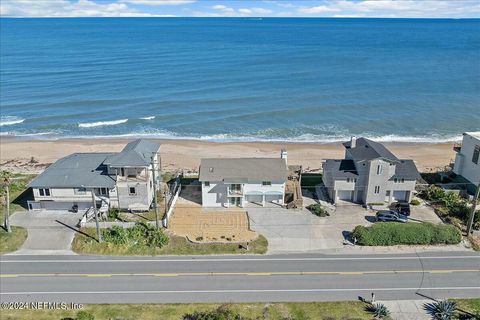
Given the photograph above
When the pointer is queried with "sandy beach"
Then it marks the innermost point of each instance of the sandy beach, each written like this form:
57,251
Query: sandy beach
35,155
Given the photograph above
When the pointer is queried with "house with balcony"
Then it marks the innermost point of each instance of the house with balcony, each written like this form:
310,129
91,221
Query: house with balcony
369,173
237,182
467,160
122,180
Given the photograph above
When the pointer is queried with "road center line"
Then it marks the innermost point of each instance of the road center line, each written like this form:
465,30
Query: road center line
266,274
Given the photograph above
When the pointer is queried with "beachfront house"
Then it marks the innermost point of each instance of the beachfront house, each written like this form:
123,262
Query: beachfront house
241,181
467,160
369,174
122,180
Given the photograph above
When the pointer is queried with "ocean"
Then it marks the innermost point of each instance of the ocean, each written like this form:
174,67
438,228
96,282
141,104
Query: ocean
239,79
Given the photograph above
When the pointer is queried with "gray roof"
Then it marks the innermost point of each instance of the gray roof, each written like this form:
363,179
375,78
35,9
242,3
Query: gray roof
341,169
406,169
243,169
367,149
75,171
137,153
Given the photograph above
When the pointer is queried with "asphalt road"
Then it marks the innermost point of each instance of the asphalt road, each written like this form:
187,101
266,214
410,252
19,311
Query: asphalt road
314,277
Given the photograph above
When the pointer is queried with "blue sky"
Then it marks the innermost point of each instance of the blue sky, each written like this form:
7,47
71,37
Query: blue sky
242,8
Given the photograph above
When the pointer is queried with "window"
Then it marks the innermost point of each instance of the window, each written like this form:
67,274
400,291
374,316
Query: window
207,183
79,191
403,180
266,183
132,191
379,169
44,192
476,155
348,179
395,180
122,172
377,189
103,191
354,179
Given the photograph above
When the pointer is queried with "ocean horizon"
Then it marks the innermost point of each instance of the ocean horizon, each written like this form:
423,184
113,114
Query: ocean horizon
240,79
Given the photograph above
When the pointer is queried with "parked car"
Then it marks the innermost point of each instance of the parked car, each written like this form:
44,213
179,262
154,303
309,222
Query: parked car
390,215
403,208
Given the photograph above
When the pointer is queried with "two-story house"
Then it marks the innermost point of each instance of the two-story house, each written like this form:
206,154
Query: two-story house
237,182
467,159
369,173
122,180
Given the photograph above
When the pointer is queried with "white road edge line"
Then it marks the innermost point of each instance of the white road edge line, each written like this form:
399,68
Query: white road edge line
235,291
240,259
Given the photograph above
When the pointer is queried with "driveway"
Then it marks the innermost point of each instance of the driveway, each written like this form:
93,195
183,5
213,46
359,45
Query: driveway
300,230
49,232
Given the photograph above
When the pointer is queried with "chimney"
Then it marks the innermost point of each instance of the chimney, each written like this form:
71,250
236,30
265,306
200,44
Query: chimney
353,142
283,154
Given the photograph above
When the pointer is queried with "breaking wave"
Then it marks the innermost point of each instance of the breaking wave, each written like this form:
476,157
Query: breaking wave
102,123
10,120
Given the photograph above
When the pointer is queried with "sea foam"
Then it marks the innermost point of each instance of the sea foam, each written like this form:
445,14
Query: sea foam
102,123
10,120
148,118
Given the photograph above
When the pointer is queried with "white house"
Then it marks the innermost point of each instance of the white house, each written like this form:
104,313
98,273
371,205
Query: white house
118,179
237,182
467,159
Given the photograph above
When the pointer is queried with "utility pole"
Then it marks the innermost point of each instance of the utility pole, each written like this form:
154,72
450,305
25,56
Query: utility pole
474,208
99,234
155,206
7,206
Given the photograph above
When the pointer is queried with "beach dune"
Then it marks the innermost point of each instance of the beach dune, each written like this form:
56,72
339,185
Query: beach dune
34,155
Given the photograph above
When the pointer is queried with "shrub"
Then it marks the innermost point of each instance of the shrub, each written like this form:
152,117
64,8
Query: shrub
317,210
221,313
84,315
392,233
140,234
433,193
442,310
378,310
415,202
113,214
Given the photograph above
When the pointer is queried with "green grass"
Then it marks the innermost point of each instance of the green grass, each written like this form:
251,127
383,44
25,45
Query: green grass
394,233
469,305
85,243
258,311
10,242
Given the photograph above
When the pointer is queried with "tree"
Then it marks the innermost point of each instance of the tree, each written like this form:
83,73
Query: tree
5,179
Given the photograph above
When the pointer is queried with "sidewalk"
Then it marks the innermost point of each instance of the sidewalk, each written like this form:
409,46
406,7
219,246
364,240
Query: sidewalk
408,309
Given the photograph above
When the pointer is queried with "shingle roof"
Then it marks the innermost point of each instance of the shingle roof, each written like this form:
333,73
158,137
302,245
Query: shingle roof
340,168
243,169
75,171
367,149
406,169
137,153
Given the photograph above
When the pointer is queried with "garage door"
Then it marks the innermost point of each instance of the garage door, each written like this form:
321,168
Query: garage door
345,195
273,197
400,195
254,198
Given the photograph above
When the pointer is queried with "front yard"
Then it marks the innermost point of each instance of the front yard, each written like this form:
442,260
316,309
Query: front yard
10,242
85,243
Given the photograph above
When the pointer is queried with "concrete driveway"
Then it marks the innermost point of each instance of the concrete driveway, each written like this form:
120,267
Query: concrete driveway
49,232
300,230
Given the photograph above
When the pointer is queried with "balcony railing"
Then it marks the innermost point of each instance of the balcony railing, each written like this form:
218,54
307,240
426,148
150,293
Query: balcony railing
139,178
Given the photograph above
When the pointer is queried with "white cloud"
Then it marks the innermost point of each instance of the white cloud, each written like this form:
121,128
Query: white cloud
395,8
160,2
224,11
318,10
64,8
